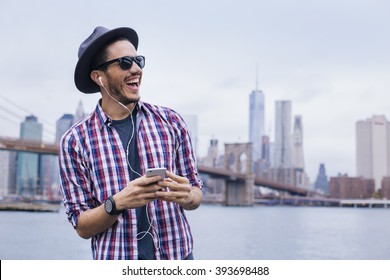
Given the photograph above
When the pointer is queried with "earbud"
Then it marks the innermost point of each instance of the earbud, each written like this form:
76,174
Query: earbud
100,80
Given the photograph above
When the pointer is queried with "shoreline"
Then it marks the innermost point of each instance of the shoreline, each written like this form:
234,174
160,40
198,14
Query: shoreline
30,206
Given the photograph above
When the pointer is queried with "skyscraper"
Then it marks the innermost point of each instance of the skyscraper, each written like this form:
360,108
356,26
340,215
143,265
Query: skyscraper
373,149
7,173
321,182
80,114
62,126
283,135
256,122
265,151
28,163
31,129
298,159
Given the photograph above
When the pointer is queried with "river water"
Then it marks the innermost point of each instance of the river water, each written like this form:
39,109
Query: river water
224,233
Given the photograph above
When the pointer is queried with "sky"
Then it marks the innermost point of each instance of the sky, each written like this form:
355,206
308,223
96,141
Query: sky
330,58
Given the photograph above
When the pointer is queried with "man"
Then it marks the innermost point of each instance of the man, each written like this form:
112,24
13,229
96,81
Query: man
103,158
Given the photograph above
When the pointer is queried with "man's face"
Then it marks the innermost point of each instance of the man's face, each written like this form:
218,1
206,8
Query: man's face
123,85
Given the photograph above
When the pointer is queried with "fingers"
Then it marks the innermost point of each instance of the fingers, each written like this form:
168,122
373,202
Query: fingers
151,188
177,178
144,189
175,189
173,186
145,181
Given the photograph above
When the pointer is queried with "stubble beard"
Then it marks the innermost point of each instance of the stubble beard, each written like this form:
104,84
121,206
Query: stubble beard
118,94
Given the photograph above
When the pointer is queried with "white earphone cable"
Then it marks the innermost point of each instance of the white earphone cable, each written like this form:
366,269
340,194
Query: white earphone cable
144,233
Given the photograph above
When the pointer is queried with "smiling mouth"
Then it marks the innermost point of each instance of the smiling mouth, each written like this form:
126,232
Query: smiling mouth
133,82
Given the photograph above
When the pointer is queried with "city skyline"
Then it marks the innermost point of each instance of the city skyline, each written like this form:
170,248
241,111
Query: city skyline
192,121
372,136
293,136
329,58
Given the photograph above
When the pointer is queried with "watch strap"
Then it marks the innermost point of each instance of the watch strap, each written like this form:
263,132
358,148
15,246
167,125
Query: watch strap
113,211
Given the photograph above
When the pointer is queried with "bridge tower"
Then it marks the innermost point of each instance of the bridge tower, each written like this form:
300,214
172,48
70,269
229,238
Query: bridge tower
238,159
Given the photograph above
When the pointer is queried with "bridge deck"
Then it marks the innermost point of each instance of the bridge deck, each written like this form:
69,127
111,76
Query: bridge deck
52,149
22,145
234,176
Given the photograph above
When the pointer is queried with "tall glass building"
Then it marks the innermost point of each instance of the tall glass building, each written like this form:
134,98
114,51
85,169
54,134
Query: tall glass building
28,163
283,138
7,173
62,125
298,159
256,122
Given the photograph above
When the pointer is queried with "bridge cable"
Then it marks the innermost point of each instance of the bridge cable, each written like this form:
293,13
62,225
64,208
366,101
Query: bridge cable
50,132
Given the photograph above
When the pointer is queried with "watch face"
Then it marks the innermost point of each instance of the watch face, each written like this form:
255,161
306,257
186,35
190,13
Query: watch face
108,206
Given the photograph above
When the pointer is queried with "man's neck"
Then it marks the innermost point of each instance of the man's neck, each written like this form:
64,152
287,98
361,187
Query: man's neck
115,110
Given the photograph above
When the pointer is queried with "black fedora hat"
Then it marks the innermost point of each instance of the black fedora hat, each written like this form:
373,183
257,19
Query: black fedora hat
88,49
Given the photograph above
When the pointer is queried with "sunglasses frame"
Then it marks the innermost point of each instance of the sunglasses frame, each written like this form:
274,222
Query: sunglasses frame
123,58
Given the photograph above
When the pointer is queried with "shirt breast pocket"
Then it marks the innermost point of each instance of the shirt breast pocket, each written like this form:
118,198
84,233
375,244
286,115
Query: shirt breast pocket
158,149
108,177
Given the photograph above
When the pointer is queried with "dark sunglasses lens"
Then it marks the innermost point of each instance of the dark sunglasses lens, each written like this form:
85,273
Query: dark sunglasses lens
140,60
125,63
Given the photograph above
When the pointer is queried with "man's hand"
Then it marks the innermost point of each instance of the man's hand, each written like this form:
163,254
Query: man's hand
137,193
177,189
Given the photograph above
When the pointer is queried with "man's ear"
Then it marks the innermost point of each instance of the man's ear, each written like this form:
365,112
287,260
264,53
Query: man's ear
97,77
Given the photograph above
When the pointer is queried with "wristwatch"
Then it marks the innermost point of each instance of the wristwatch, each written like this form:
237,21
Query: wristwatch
110,207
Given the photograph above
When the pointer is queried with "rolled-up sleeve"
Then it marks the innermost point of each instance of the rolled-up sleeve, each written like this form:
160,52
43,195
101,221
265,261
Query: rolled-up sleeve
74,182
186,162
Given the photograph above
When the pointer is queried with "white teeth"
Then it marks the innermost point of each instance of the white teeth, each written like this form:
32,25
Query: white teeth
133,81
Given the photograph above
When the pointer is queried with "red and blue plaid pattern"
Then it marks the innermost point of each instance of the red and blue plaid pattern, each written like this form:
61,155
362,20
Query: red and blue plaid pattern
93,166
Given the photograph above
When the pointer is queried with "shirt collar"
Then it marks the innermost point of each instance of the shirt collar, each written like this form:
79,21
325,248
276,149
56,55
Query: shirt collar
103,119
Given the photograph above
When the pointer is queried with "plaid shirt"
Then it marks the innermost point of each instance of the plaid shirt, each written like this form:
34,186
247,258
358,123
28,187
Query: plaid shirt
93,166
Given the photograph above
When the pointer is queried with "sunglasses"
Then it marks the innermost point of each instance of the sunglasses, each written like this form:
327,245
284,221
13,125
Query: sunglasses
125,62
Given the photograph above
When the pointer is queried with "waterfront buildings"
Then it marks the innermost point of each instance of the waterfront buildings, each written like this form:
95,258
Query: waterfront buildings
33,175
372,163
385,190
373,149
283,159
344,187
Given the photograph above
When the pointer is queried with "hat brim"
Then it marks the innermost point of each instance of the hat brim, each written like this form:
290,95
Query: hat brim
82,77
